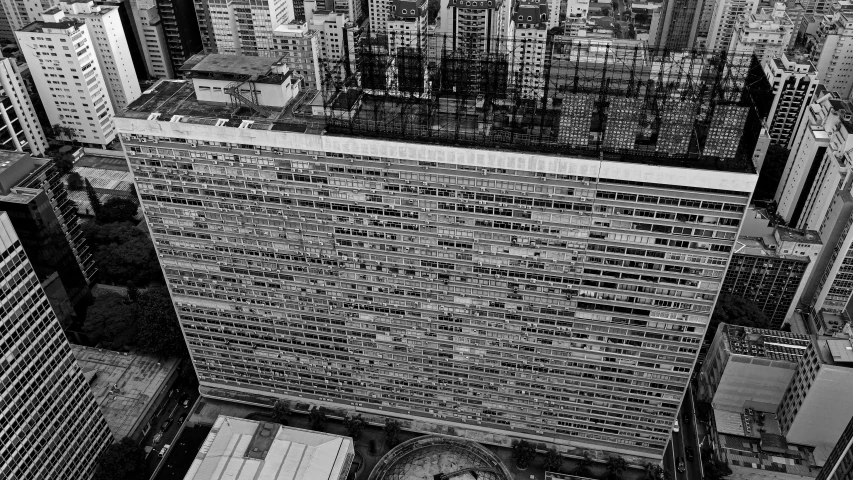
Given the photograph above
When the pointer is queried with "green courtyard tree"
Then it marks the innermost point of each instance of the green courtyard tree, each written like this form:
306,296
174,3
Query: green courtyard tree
616,466
391,432
584,468
281,412
553,460
110,321
317,419
735,310
118,209
75,182
122,460
355,426
523,452
158,331
94,199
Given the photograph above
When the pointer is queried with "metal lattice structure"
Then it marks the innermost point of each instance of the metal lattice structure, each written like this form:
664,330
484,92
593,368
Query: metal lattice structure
620,101
443,458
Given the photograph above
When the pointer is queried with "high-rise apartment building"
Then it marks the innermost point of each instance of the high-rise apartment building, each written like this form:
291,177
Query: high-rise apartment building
111,49
338,270
839,463
476,27
152,37
181,27
51,426
242,27
298,45
810,411
770,270
20,13
831,48
337,37
60,52
407,23
794,81
529,31
20,129
724,19
766,33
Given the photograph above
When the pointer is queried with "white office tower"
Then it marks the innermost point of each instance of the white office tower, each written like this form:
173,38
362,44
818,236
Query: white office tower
528,35
20,129
245,27
794,81
766,34
111,49
64,66
19,13
831,49
154,45
336,38
407,22
724,20
298,45
50,425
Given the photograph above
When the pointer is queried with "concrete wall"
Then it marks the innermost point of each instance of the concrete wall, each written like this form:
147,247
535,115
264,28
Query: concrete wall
826,409
753,379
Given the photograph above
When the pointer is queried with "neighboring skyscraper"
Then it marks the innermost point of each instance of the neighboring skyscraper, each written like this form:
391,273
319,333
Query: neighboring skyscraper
270,451
34,197
794,81
475,27
61,55
407,22
527,44
810,412
111,49
831,49
183,36
839,464
479,278
52,427
155,47
240,27
724,20
20,129
20,13
767,33
298,46
337,38
770,270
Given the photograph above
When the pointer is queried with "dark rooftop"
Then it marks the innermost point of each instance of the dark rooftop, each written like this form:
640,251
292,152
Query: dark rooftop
233,64
762,342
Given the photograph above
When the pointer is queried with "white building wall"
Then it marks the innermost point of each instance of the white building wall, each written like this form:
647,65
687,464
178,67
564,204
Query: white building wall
152,38
723,21
13,87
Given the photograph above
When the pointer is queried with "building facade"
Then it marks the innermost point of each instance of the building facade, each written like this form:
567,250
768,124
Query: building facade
839,464
55,429
181,27
20,129
19,13
152,38
794,81
60,52
476,27
553,286
766,33
299,46
831,48
111,49
241,27
723,21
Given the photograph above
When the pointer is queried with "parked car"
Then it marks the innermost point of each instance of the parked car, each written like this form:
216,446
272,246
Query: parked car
185,402
166,425
158,437
688,452
182,418
681,466
675,427
164,450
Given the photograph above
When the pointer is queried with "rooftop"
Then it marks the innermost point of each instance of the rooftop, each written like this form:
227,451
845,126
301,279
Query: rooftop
230,64
434,457
764,343
238,449
800,236
125,385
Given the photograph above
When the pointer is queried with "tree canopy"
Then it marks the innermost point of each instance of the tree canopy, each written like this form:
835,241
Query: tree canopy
118,209
64,162
735,310
158,331
123,253
75,181
110,321
123,460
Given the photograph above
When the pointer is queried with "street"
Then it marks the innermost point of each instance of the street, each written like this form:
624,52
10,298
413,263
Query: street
173,406
686,436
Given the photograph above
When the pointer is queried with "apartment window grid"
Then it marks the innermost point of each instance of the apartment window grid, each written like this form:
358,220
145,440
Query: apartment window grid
572,306
55,429
839,464
771,283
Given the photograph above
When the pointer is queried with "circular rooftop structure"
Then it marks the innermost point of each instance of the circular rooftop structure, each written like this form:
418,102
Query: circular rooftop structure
440,458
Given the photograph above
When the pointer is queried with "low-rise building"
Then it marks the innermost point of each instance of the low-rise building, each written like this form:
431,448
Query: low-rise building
128,387
270,451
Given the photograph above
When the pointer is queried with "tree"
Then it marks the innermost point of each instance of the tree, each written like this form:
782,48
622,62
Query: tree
281,412
523,452
132,291
553,460
110,321
134,260
355,426
117,209
771,172
94,199
616,465
75,182
69,133
392,431
158,331
716,470
584,466
654,471
735,310
123,460
317,418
